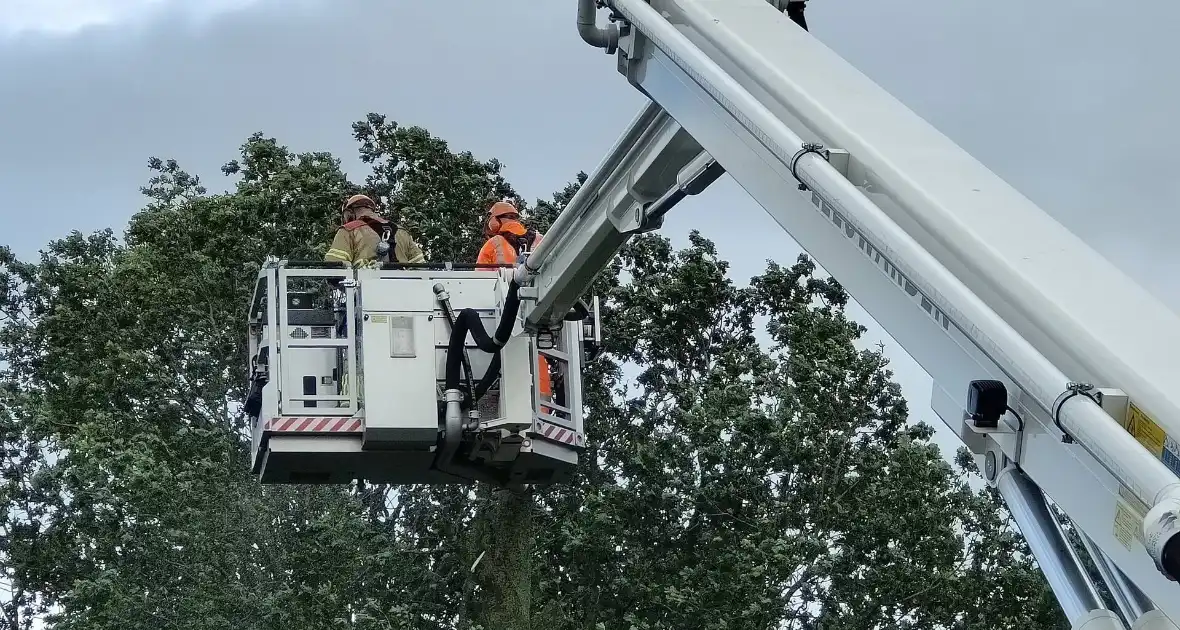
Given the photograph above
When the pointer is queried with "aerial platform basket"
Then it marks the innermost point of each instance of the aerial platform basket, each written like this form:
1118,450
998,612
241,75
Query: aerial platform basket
329,405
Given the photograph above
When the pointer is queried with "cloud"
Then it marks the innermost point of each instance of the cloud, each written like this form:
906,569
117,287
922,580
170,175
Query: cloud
82,115
66,17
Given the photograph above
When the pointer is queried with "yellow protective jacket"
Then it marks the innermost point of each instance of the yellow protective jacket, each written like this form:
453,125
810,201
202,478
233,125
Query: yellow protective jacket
356,243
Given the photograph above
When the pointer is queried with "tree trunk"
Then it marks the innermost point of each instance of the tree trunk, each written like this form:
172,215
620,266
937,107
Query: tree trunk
506,570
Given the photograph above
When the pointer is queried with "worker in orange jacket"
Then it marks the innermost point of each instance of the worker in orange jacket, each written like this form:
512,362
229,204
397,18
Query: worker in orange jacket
507,235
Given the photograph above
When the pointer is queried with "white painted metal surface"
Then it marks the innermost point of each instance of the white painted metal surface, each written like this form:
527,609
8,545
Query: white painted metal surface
402,343
1028,267
922,235
1069,582
383,423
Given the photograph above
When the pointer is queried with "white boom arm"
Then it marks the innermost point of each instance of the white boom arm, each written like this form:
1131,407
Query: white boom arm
969,276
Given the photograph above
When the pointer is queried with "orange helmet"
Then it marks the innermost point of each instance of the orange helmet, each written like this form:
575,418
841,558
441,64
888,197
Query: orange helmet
503,217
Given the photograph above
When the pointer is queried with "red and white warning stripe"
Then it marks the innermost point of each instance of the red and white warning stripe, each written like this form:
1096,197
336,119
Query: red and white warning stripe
312,424
558,434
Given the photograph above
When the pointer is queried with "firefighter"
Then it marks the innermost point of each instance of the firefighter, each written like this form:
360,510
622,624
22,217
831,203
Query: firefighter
366,238
507,236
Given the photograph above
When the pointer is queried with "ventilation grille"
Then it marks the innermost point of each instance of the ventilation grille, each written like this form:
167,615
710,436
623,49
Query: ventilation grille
489,405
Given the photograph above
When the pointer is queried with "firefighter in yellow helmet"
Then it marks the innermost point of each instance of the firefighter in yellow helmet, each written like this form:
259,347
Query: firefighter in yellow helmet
366,239
506,237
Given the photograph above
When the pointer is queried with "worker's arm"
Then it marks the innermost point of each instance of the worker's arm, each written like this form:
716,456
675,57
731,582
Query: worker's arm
405,249
342,248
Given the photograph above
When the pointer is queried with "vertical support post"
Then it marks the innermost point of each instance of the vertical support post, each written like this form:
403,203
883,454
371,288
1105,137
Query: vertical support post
275,334
535,370
572,337
1075,593
352,351
279,329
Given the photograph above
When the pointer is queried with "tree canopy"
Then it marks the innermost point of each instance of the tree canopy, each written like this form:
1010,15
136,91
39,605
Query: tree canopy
728,484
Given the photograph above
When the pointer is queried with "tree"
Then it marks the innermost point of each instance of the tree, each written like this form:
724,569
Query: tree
728,485
445,194
133,373
743,488
27,502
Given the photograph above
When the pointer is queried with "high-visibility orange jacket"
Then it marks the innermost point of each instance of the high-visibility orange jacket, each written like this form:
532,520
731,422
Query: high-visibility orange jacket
497,250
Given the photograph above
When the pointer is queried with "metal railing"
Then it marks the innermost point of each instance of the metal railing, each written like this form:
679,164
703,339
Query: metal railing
343,338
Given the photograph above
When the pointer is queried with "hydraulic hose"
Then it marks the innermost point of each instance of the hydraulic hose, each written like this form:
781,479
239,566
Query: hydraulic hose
467,371
489,377
468,321
508,320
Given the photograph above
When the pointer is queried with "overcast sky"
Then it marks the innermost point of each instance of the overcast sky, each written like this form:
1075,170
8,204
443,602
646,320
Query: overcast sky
1073,102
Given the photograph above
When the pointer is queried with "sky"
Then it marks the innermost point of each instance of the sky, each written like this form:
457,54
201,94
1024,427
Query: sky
1060,98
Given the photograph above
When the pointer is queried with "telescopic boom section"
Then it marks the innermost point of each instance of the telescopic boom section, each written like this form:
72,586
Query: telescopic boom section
979,285
652,167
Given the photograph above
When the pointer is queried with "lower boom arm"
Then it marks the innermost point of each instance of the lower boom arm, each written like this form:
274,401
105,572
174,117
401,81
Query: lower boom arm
652,167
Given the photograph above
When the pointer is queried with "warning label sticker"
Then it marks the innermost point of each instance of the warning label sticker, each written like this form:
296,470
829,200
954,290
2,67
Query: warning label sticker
1149,434
1153,438
1128,524
1130,511
1171,455
1133,502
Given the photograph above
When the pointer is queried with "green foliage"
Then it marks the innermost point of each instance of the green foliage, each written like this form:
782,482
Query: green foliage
726,485
443,195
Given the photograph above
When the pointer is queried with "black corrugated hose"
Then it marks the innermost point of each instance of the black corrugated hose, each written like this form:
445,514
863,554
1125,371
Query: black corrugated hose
468,321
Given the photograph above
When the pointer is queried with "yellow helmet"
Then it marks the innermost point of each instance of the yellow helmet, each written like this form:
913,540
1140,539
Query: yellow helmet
358,201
